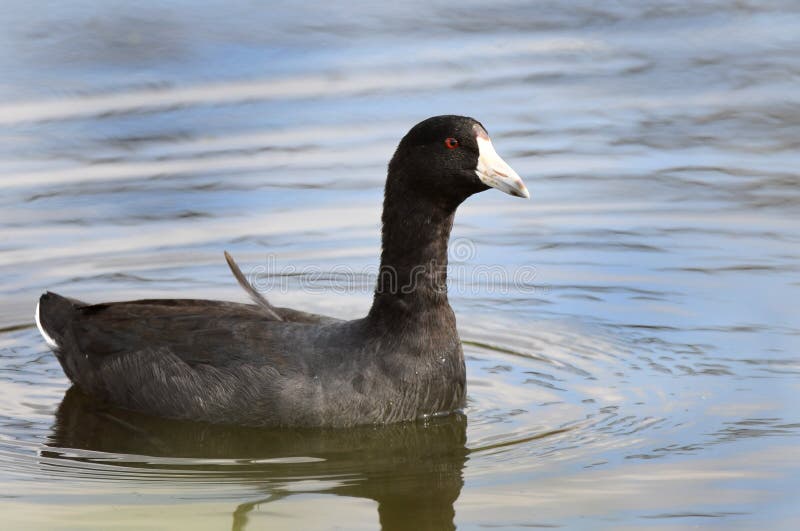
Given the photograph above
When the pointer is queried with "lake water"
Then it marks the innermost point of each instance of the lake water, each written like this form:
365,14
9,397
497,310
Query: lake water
633,359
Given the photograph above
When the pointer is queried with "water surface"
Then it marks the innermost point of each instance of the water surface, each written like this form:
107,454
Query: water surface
631,333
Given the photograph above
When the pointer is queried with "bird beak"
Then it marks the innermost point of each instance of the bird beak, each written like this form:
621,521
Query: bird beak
493,171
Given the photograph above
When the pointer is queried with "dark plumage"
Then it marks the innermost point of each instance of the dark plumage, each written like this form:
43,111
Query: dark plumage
260,365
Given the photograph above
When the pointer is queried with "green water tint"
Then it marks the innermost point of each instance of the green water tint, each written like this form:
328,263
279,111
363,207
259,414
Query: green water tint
639,371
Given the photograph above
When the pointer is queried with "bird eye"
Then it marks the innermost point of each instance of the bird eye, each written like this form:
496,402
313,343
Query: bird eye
451,143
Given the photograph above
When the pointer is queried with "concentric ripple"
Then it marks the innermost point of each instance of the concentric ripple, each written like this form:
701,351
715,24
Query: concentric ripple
631,332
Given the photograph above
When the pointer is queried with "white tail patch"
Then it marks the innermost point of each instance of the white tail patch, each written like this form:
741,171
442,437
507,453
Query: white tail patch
50,341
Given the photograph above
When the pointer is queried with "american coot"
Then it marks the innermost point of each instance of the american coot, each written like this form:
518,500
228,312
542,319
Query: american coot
261,365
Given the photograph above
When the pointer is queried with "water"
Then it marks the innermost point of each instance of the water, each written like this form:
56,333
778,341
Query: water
642,369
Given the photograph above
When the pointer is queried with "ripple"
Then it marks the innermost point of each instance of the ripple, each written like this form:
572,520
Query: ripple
654,353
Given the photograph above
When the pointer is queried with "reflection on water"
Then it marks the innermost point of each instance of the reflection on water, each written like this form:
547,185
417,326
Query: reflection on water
643,378
385,464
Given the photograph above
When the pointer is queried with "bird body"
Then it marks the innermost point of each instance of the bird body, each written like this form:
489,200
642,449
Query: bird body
261,365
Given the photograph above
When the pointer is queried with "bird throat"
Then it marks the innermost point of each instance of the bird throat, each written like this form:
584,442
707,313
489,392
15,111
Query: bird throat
412,278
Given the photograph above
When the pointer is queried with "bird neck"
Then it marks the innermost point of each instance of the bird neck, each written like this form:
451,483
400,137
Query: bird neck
412,278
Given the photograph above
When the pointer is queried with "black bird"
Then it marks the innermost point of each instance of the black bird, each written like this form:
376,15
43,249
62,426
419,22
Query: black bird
261,365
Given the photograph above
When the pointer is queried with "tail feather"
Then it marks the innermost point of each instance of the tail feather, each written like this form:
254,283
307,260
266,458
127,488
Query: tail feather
47,337
53,314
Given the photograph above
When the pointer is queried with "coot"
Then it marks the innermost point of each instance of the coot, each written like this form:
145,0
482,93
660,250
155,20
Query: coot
261,365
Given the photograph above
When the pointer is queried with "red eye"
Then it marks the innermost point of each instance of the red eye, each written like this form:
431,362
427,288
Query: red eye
451,143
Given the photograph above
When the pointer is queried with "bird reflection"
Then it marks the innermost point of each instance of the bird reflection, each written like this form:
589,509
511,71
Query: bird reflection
413,470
